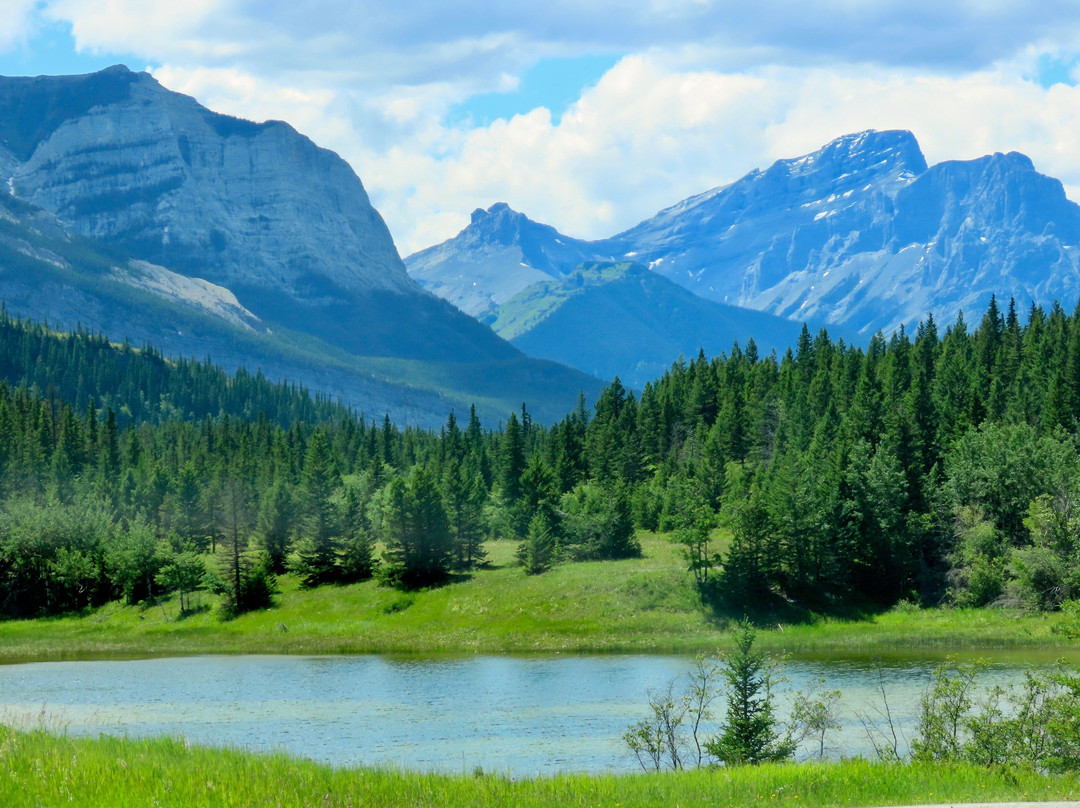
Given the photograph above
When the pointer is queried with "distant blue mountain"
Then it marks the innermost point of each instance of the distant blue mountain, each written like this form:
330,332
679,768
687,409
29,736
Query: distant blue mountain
500,253
861,234
623,320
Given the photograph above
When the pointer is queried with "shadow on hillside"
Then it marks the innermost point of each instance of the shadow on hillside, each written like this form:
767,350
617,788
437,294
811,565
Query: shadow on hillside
412,585
725,607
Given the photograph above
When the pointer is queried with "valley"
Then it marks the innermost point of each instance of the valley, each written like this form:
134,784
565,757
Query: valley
836,399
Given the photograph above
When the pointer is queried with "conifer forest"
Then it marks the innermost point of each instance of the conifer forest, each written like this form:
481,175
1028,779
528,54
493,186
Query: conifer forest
938,467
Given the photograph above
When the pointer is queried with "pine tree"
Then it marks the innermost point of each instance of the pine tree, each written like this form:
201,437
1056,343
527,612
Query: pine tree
416,535
511,461
463,498
750,733
537,552
275,525
315,556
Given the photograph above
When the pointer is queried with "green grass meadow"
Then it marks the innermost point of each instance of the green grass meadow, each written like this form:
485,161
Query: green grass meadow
642,605
39,769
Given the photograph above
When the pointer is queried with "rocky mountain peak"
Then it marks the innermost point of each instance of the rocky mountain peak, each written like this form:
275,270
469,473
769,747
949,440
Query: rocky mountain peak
504,251
255,207
501,224
497,211
860,233
884,159
889,151
999,195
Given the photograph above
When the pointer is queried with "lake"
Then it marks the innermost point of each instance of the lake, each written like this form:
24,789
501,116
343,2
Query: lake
516,715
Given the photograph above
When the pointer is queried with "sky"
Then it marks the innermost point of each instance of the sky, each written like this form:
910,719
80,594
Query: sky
589,116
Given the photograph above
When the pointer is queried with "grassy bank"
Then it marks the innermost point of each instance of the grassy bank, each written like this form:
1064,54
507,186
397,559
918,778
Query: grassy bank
39,769
645,605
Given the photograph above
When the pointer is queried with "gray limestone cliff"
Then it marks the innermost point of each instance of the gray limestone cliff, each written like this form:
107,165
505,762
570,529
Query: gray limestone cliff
255,208
243,204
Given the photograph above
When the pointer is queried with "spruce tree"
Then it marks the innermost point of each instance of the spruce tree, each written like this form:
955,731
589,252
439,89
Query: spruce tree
315,556
750,733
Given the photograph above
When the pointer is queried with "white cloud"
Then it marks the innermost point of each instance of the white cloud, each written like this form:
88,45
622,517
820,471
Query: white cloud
309,109
138,27
708,91
18,20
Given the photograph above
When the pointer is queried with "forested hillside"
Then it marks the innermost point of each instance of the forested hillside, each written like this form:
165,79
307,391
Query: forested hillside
938,468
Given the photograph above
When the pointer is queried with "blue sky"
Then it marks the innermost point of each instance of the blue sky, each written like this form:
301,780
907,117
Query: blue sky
50,50
554,83
591,116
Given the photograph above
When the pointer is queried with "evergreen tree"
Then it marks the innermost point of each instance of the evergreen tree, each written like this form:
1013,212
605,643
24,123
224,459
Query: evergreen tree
315,556
275,525
356,548
463,498
416,533
511,461
538,551
750,732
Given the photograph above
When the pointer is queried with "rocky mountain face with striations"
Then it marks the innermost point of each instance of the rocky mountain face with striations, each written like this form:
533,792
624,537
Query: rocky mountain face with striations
864,234
499,254
249,223
124,160
256,208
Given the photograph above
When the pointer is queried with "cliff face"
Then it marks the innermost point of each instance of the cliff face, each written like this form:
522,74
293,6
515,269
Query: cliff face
242,204
256,208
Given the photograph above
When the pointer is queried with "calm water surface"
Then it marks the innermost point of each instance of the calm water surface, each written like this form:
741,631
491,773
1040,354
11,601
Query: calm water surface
518,715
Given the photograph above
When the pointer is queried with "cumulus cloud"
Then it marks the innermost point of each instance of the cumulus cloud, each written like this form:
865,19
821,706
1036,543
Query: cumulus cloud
18,18
705,92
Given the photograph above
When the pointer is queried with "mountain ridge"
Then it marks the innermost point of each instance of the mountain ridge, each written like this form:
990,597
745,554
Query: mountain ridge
620,319
276,231
863,234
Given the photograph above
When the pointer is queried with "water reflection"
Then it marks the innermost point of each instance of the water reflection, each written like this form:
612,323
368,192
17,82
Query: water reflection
518,715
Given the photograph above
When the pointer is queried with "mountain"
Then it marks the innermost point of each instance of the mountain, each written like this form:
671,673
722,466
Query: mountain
623,320
499,254
279,232
69,281
863,234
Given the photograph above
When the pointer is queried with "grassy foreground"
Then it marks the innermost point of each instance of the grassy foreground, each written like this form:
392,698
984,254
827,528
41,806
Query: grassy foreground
38,769
644,605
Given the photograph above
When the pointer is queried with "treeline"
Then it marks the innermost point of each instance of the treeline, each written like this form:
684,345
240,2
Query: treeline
934,468
139,384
